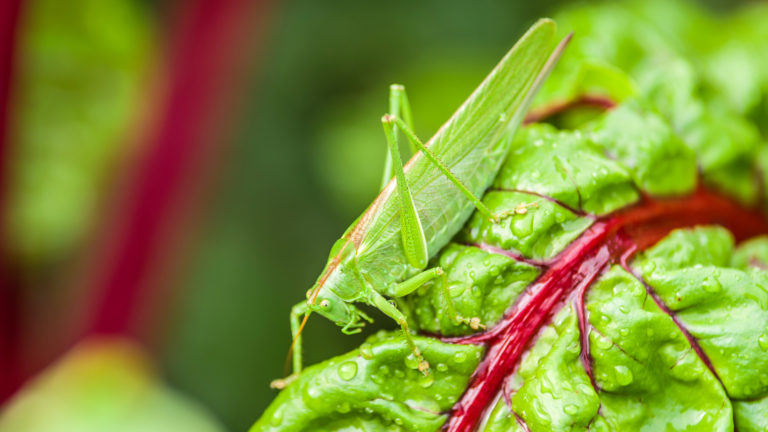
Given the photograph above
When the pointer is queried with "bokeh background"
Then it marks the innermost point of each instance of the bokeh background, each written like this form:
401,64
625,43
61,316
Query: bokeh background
175,172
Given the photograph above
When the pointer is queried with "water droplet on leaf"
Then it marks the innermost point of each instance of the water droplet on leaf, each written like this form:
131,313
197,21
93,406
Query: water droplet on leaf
411,361
763,341
427,380
277,418
366,350
712,285
343,408
623,375
347,370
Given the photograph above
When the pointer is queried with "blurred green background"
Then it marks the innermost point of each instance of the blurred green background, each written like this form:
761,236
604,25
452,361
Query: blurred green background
302,157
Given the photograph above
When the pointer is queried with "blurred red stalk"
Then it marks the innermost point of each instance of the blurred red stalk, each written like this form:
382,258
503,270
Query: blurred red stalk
207,53
147,222
9,375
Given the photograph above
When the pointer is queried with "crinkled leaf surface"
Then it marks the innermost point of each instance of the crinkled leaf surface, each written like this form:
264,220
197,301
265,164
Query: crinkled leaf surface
375,388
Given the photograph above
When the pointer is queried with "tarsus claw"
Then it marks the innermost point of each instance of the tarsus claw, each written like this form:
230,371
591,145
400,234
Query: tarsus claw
282,383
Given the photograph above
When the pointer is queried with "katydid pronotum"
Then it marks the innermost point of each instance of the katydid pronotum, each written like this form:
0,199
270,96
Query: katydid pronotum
385,252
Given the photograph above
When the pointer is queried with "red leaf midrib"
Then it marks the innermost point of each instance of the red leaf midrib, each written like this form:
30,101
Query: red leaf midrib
611,239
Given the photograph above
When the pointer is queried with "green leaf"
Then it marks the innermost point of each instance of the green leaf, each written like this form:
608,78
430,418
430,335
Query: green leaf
481,284
566,166
377,387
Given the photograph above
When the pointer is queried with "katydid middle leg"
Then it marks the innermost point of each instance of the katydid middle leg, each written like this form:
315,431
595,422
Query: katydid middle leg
381,303
412,284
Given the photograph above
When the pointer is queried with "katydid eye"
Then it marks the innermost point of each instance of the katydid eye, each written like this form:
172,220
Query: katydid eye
325,304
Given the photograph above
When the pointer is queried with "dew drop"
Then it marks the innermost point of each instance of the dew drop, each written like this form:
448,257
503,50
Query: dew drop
343,407
277,418
623,375
411,361
399,373
571,409
763,341
456,289
460,357
442,367
712,285
347,370
603,343
366,350
426,381
522,227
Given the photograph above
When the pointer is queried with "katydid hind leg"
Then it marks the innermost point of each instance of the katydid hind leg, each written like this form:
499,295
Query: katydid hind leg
474,322
380,302
412,233
398,107
412,284
416,142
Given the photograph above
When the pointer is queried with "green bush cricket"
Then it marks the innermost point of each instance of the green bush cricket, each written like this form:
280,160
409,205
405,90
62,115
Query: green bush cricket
385,252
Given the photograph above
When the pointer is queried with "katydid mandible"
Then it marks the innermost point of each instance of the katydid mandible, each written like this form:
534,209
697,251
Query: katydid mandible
385,252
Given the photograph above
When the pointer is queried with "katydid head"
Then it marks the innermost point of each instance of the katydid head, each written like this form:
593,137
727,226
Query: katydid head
340,284
342,312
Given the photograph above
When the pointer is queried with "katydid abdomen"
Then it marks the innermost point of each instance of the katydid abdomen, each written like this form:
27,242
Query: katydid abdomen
386,250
